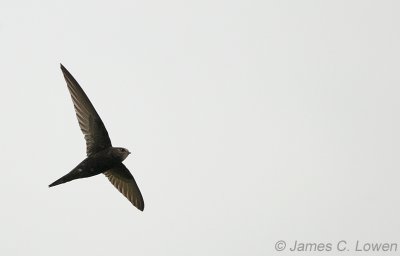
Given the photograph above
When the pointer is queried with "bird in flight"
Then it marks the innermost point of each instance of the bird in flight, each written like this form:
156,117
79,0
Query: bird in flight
102,157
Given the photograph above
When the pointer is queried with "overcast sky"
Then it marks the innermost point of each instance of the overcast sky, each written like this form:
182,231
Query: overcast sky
250,122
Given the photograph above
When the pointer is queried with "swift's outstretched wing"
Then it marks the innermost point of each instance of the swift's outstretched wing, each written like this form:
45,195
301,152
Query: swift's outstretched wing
93,129
123,180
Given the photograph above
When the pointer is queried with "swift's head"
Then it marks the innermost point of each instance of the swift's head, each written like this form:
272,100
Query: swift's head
120,153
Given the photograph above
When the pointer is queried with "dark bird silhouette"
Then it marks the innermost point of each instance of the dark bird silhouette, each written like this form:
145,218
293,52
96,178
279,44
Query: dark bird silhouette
102,157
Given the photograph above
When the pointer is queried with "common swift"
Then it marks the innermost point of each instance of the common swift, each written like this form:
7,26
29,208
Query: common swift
102,157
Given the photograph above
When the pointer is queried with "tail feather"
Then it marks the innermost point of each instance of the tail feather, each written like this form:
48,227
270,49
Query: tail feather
63,179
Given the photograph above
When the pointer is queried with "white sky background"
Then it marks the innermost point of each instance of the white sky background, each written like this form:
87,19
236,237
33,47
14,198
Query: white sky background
249,122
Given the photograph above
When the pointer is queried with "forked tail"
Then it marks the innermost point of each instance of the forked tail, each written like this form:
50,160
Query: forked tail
63,179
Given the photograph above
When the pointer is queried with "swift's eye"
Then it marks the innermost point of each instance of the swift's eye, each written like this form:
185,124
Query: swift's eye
122,150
